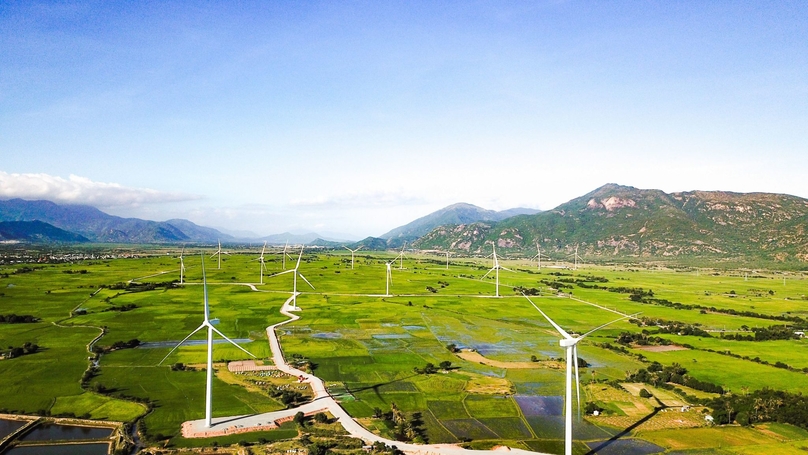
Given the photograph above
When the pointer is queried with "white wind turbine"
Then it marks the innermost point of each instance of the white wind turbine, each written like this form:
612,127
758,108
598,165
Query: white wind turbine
207,323
261,260
182,264
496,268
401,257
352,253
576,258
296,273
447,259
538,255
570,345
284,254
389,279
219,253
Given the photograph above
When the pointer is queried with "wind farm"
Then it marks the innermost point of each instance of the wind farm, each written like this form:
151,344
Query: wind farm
591,220
345,334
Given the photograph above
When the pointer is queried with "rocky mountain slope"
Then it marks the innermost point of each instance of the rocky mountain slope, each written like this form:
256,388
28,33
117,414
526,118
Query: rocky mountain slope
622,221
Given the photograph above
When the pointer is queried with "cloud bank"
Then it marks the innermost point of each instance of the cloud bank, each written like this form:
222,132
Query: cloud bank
81,190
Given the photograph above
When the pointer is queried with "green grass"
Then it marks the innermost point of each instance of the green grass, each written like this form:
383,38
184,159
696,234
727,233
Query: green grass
375,342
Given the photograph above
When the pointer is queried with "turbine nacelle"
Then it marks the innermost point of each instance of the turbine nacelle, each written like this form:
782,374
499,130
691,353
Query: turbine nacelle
568,342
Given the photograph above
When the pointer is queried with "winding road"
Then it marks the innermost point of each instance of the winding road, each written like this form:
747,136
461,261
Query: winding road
322,402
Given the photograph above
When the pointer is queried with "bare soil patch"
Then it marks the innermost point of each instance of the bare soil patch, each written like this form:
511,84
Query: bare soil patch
661,348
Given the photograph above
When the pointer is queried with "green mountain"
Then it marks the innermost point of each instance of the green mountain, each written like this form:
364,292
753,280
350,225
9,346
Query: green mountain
37,232
620,221
454,214
98,226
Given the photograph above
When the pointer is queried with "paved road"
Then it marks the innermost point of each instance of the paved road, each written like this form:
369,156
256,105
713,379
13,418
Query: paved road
324,402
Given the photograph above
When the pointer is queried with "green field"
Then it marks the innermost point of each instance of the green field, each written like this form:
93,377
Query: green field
368,344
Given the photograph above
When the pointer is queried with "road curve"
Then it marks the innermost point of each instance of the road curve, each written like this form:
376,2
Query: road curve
324,402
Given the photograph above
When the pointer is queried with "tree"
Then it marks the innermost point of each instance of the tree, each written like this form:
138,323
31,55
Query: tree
300,419
320,417
644,393
445,365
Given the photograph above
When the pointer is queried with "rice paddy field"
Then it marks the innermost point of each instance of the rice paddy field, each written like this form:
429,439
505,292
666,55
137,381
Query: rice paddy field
367,345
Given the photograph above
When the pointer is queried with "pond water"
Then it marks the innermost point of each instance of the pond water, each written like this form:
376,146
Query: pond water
533,405
327,335
62,449
53,432
413,327
171,344
10,426
391,336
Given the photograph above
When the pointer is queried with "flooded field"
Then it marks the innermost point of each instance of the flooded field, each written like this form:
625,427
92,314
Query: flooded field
54,432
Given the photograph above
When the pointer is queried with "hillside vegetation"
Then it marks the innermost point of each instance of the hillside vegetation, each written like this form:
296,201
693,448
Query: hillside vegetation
624,222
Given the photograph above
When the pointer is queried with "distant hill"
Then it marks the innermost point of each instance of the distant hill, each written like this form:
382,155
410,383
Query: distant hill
622,221
461,213
37,232
98,226
370,244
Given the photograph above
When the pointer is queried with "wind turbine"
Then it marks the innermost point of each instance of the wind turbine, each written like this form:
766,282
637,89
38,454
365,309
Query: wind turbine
390,272
401,256
496,267
219,253
570,345
207,323
576,257
296,273
261,260
352,253
447,259
538,254
284,254
182,264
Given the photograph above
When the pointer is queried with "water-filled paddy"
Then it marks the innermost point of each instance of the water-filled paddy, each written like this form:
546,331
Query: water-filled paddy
10,426
62,449
53,432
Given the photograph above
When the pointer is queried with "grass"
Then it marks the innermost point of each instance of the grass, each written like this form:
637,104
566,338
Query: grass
371,344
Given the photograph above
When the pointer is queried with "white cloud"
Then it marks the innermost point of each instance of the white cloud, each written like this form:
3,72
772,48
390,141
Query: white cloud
360,199
81,190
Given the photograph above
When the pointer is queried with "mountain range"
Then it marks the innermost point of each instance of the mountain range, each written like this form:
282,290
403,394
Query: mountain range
612,221
622,221
96,226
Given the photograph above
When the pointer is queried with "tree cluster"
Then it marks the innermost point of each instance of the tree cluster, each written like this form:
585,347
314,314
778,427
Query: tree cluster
17,319
657,374
760,406
27,348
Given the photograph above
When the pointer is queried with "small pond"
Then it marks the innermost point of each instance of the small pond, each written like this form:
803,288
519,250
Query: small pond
62,449
53,432
10,426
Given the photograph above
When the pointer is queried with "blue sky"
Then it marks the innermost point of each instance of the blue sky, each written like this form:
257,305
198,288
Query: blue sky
355,117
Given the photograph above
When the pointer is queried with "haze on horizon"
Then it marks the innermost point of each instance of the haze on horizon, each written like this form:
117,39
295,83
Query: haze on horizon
355,118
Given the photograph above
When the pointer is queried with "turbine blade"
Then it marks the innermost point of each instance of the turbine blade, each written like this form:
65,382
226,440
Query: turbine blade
304,279
608,323
231,341
486,273
299,257
505,268
577,381
180,343
281,273
360,247
556,326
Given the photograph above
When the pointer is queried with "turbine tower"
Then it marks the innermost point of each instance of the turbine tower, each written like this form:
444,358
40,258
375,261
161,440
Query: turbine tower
352,253
576,258
182,264
401,257
389,265
538,254
284,254
496,268
570,345
296,273
207,323
261,260
219,253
